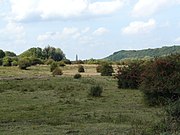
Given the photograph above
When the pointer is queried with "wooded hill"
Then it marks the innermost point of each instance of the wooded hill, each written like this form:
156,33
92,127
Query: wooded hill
145,53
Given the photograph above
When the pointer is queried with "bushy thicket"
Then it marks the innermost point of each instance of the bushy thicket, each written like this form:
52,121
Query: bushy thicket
129,76
49,61
53,66
81,68
1,62
98,69
96,91
14,63
161,80
7,61
106,69
67,61
36,61
24,63
61,64
77,76
170,124
57,71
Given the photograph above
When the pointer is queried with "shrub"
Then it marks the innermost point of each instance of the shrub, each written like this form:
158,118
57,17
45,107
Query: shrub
77,76
14,63
35,61
1,62
129,76
2,54
66,61
53,66
24,63
170,124
106,69
96,91
79,62
80,68
49,61
160,80
7,61
62,64
57,71
98,69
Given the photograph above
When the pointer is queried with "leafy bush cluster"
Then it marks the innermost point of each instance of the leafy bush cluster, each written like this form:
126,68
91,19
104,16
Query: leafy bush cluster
57,71
105,69
77,76
96,91
129,76
24,63
53,66
160,80
81,68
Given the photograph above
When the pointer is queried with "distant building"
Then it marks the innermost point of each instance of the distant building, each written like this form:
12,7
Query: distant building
76,57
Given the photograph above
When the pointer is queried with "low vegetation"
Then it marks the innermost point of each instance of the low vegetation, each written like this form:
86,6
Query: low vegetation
77,76
106,69
61,105
96,91
81,69
57,71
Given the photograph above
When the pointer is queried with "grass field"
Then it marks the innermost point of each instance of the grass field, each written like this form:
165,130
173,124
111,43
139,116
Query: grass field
41,104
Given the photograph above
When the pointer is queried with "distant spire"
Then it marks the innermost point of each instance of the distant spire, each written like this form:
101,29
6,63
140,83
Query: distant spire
76,57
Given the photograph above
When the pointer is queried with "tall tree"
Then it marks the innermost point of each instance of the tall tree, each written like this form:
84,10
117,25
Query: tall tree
10,54
2,54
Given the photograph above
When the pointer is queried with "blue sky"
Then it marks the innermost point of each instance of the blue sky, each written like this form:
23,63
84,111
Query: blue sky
89,28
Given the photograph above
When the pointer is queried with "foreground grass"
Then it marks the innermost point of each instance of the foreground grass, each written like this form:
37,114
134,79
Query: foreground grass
61,105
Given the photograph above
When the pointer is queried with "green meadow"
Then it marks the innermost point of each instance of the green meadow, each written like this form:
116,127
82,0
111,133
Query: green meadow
35,102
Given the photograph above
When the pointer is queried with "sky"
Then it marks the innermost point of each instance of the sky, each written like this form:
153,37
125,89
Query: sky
89,28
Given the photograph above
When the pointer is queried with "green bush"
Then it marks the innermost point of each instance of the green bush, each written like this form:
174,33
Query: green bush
2,54
36,61
14,63
57,71
106,69
98,69
7,61
77,76
129,76
66,61
24,63
96,91
160,80
53,66
170,123
62,64
1,62
80,68
49,61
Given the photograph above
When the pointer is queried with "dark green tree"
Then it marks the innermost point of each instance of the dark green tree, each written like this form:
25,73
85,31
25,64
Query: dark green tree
2,54
10,54
53,53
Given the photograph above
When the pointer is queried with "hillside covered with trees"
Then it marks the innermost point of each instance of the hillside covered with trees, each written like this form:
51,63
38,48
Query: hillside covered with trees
143,54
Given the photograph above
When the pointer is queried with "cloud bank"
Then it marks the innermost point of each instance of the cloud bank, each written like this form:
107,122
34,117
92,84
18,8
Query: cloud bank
26,10
139,27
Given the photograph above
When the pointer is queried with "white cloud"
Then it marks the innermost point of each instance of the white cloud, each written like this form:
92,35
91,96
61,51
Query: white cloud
139,27
149,7
108,7
61,9
73,34
13,31
177,40
100,31
49,36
